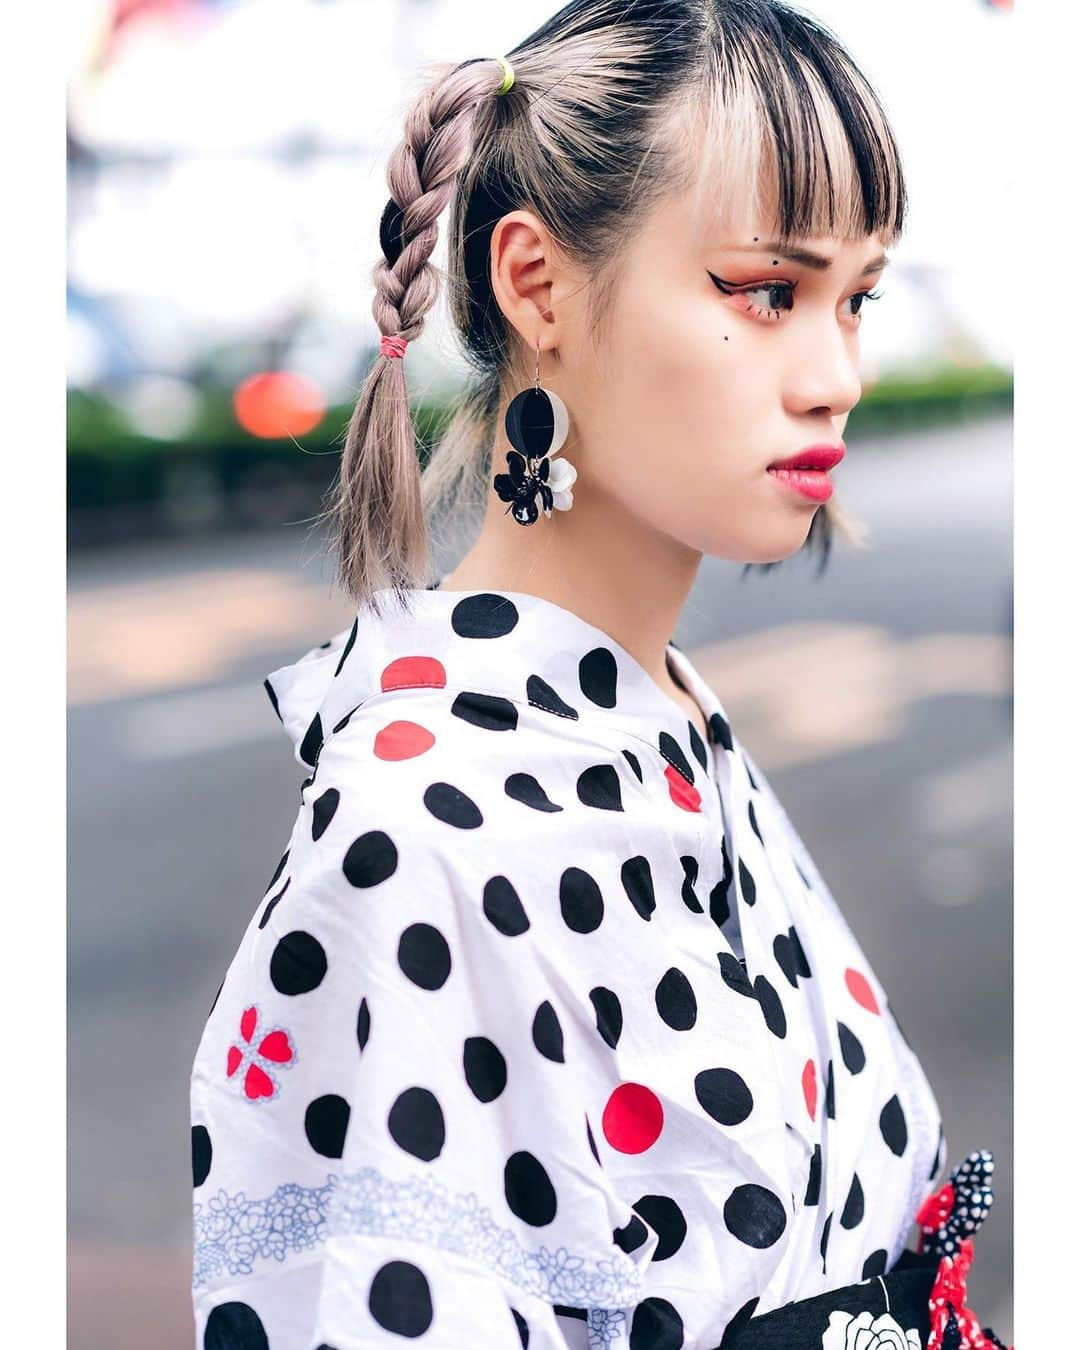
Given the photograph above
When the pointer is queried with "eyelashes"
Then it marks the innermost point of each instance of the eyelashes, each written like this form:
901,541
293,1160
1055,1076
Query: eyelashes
780,296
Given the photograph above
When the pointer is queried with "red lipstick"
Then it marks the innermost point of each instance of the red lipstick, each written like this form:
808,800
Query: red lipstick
807,471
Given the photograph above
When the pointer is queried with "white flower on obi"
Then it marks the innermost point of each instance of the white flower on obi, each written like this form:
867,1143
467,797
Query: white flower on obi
847,1332
561,476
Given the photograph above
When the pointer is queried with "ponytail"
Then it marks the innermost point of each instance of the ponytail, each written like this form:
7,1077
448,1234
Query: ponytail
382,540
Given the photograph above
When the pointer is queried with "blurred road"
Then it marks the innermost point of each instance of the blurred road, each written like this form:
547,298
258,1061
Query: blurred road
877,698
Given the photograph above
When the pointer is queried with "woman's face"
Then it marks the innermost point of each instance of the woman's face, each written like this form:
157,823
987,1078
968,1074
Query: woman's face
719,357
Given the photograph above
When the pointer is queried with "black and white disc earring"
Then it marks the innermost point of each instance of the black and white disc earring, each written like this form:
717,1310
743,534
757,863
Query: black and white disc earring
536,426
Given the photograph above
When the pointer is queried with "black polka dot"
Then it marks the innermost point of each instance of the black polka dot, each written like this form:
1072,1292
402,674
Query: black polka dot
272,903
724,1095
635,764
348,646
656,1325
720,731
823,1245
854,1206
719,901
875,1264
485,1068
675,1001
830,1092
690,868
312,742
747,885
298,963
733,973
202,1151
665,1217
522,1329
234,1326
592,1142
754,1215
370,859
503,908
580,901
528,1189
424,956
363,1024
489,711
771,1007
630,1237
598,786
277,872
325,1122
609,1018
673,753
400,1299
547,1033
541,695
598,676
416,1123
484,616
450,805
637,881
272,695
851,1049
813,1182
894,1126
524,788
340,726
785,958
697,745
802,965
322,811
752,815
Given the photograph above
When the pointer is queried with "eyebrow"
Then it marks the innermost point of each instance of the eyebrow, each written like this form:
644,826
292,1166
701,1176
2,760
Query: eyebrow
806,256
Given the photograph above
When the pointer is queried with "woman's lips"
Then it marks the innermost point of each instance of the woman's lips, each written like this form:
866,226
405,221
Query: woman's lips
814,484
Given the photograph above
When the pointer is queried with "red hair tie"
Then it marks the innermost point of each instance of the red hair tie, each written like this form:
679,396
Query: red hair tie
393,345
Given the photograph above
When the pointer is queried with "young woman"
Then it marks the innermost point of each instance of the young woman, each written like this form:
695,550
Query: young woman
547,1031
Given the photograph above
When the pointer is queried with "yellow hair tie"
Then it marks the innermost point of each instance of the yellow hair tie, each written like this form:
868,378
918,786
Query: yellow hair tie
508,74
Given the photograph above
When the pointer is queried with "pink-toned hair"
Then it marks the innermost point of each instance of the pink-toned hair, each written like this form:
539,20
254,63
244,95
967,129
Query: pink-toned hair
614,104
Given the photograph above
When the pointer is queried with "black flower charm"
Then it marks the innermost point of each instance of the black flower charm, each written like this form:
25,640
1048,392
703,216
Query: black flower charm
527,480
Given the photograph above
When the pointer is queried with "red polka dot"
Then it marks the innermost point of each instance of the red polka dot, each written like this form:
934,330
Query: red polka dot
409,672
682,793
633,1118
859,989
402,740
248,1019
809,1087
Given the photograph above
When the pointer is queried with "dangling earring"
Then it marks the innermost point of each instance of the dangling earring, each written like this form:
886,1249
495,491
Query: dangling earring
536,426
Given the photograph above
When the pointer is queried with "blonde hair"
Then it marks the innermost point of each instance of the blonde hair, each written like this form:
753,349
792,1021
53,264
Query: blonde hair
614,104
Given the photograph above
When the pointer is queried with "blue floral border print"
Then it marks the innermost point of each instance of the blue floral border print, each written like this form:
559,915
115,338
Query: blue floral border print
232,1233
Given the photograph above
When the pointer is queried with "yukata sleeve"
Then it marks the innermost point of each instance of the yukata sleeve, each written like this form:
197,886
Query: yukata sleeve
394,1083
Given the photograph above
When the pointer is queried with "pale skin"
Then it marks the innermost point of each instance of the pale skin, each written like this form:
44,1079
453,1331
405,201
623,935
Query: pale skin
675,418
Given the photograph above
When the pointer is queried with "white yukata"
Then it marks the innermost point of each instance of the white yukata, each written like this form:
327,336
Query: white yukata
547,1033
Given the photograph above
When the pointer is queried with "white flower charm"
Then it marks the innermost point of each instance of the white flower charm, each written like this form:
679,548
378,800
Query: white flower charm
561,478
847,1332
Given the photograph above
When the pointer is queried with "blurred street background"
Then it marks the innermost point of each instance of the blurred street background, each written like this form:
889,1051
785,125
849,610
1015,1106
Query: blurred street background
226,180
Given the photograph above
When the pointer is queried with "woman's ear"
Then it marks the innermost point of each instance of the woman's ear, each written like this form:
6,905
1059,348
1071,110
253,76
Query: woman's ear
525,266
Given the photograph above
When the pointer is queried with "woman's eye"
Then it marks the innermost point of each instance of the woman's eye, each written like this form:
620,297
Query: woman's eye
770,299
859,296
765,301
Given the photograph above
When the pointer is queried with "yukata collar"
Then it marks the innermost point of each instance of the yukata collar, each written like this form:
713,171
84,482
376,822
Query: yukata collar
503,645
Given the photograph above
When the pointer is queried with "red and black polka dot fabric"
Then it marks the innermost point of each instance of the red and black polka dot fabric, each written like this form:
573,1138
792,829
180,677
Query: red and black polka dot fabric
547,1032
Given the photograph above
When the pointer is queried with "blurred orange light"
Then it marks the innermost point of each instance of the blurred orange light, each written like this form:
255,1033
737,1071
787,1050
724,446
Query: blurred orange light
278,403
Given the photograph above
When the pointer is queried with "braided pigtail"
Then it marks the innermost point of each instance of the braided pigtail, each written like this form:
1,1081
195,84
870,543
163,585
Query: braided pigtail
380,524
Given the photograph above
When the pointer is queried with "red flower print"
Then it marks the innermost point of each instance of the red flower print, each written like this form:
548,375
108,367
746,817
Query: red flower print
259,1053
